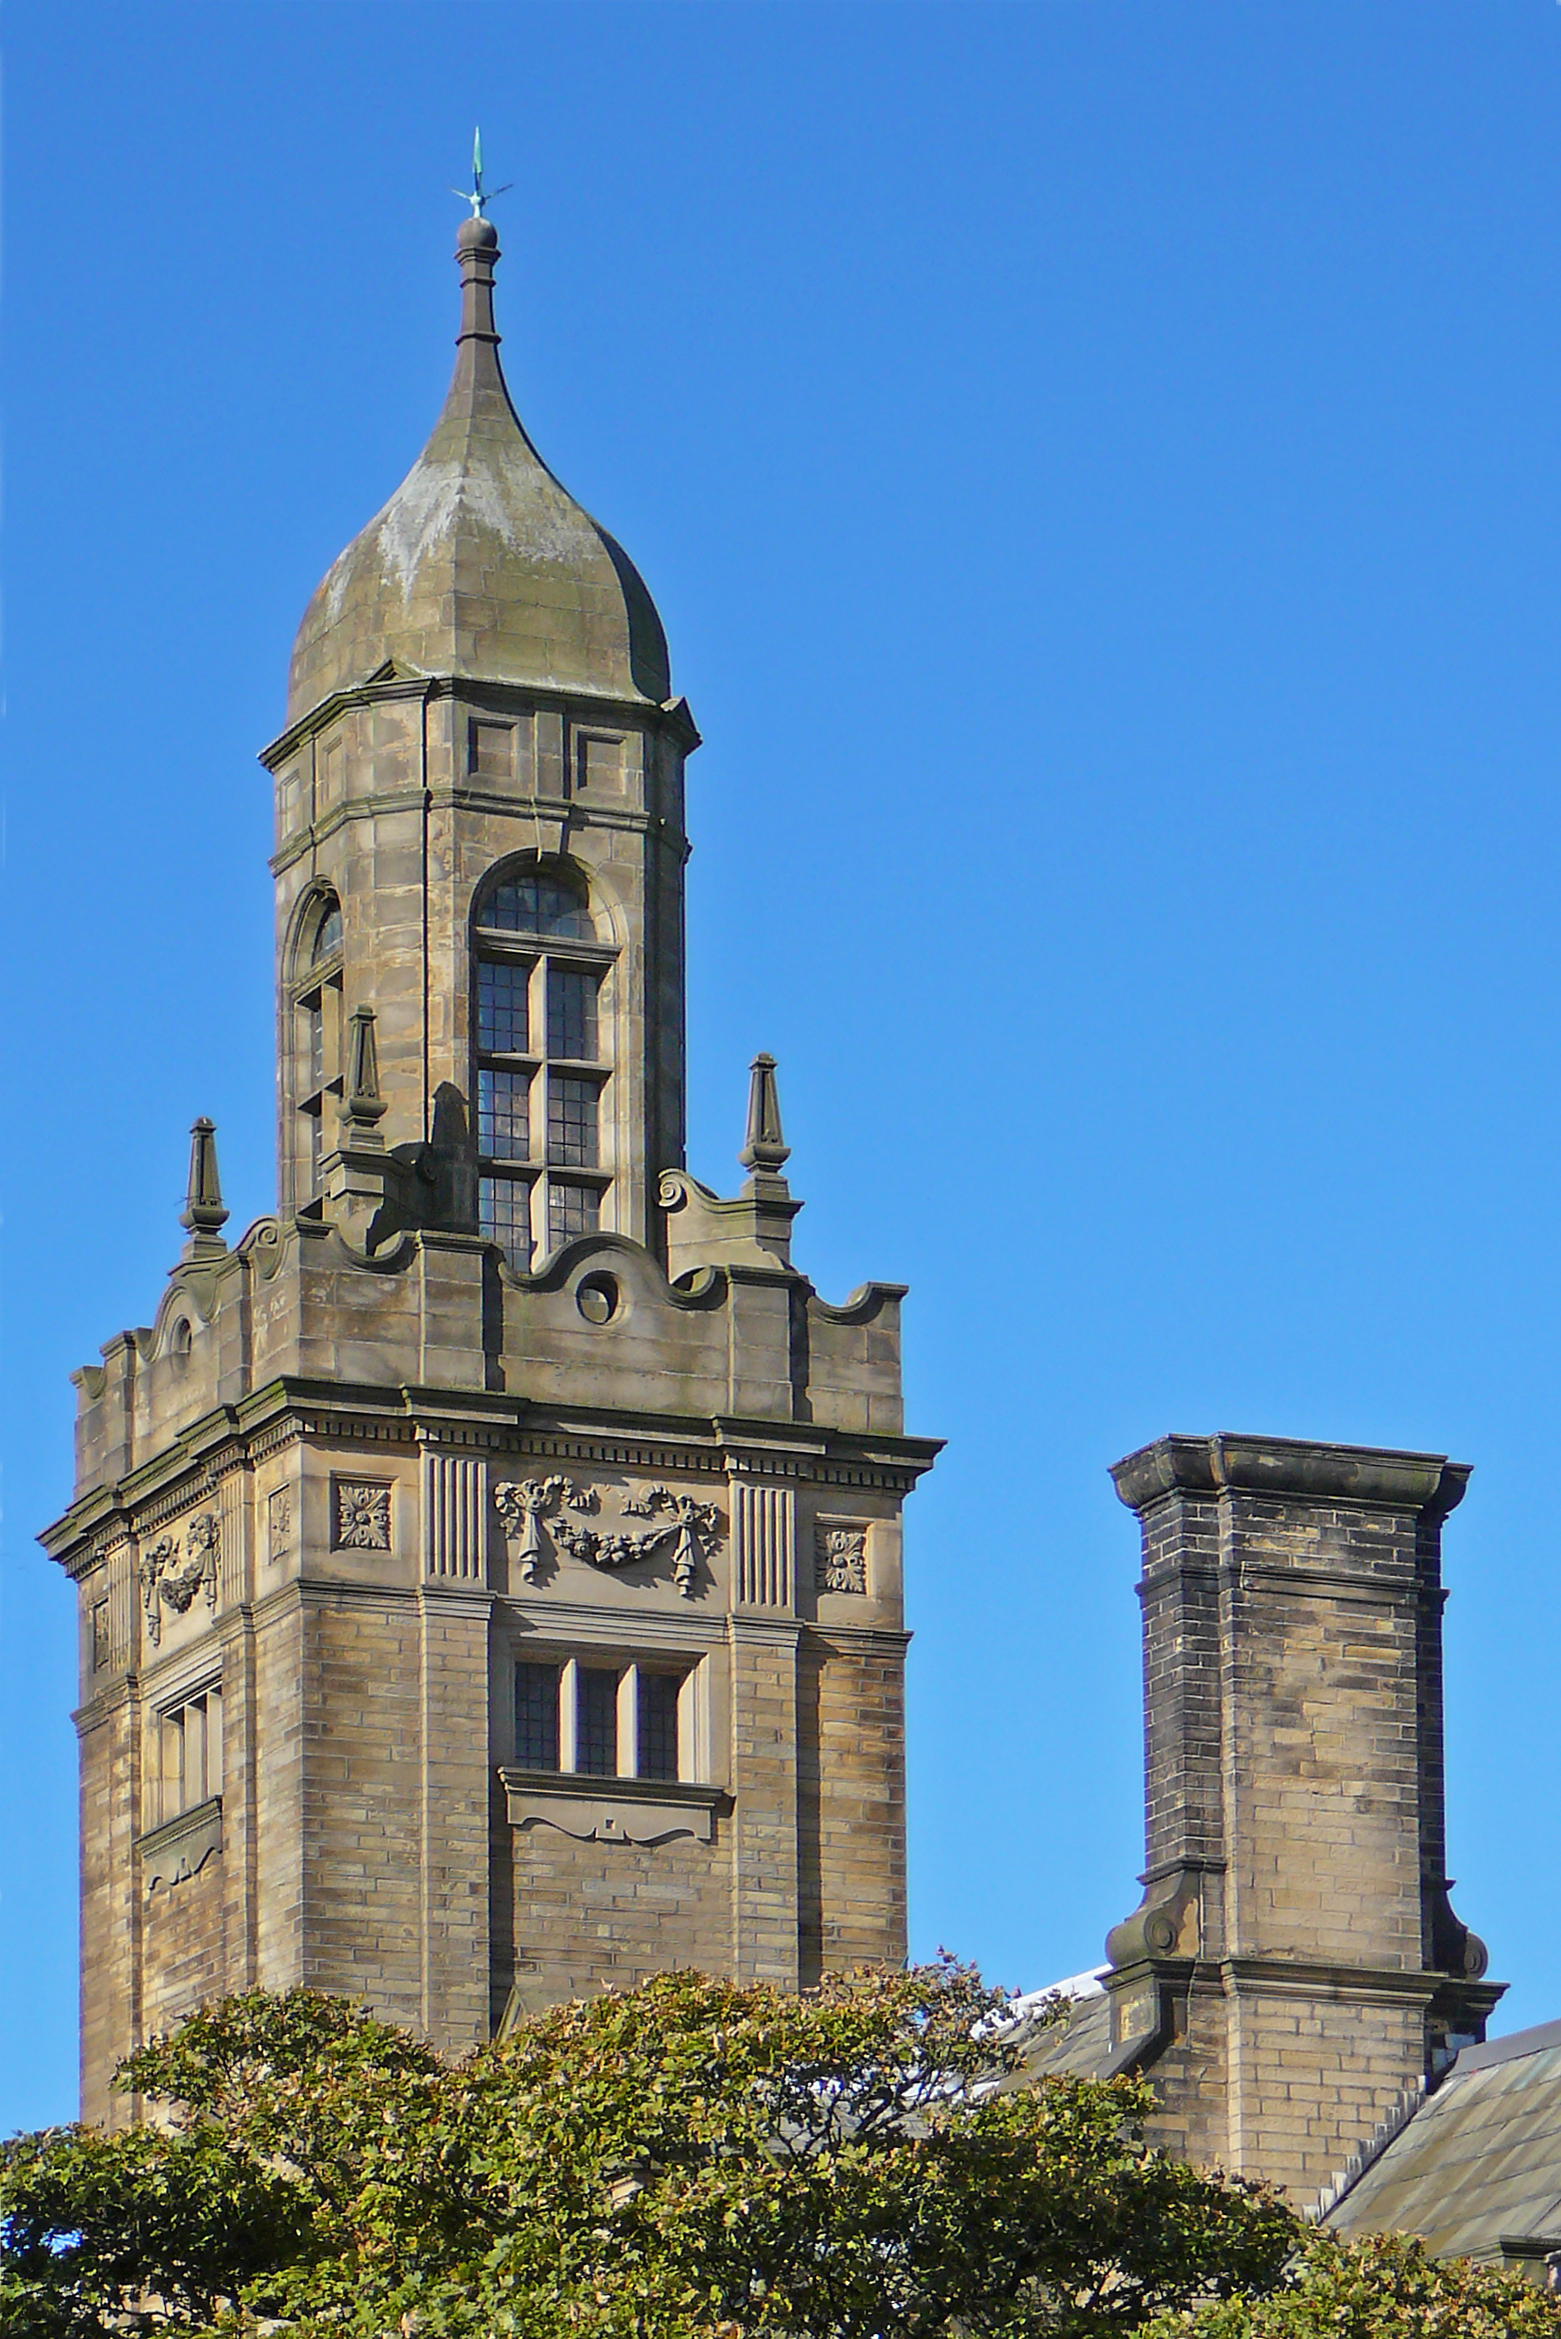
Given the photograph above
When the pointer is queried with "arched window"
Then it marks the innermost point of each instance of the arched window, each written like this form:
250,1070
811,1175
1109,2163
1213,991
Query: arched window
317,1036
539,905
540,1067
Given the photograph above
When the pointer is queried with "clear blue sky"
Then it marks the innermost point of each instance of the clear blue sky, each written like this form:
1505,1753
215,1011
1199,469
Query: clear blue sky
1100,467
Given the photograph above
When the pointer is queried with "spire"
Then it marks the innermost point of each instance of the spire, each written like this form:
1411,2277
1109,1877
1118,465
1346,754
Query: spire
766,1148
482,564
204,1213
362,1106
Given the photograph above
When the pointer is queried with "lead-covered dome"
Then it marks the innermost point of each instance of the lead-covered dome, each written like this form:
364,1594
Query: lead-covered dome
481,564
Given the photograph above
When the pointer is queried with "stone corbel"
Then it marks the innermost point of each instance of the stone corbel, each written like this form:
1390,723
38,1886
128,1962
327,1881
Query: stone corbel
1454,1949
1168,1922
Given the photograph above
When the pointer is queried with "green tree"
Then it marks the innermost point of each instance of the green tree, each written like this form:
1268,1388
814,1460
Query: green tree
688,2160
1385,2286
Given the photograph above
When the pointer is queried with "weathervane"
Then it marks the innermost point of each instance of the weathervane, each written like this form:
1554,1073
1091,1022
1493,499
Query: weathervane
479,194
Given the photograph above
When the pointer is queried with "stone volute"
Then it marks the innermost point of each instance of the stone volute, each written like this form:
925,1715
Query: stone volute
481,563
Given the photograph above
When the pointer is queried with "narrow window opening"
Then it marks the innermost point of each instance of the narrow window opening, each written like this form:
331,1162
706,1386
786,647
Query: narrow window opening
571,1012
536,1716
658,1724
596,1725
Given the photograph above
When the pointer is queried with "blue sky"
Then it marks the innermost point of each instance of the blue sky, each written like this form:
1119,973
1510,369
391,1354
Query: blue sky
1100,468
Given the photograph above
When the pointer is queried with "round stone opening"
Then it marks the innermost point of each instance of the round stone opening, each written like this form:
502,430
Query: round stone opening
597,1299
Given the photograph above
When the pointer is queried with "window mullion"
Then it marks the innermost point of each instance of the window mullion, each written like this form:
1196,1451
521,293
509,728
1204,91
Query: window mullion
629,1723
569,1715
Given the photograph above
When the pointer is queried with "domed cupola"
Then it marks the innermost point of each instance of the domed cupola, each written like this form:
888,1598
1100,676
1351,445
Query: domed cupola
481,565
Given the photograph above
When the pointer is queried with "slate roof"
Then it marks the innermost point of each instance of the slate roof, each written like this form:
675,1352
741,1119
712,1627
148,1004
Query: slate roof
1476,2169
1077,2045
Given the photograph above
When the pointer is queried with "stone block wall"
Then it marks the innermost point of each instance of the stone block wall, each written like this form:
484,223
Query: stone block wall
1294,1965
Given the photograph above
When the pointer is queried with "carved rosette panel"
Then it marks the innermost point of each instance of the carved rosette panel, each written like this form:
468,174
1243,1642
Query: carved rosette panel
682,1527
360,1514
840,1555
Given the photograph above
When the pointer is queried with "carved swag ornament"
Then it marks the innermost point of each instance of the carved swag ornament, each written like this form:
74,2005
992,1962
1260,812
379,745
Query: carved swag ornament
168,1581
690,1525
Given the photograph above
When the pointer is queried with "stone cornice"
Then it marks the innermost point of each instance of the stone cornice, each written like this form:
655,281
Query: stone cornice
674,715
1291,1469
411,797
230,1437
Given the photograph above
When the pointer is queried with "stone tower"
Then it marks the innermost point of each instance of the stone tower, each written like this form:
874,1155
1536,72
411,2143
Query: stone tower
489,1567
1295,1968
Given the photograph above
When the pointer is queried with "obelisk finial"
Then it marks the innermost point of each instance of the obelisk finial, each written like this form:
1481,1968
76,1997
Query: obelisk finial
766,1148
362,1106
204,1213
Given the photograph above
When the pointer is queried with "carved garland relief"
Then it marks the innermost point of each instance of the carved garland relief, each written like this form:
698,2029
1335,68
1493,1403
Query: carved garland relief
172,1582
689,1526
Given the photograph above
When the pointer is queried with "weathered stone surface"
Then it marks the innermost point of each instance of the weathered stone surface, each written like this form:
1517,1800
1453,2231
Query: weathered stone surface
1294,1965
362,1465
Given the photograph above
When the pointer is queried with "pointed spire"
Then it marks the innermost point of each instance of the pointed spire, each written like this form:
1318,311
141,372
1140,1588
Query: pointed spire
204,1213
766,1148
362,1105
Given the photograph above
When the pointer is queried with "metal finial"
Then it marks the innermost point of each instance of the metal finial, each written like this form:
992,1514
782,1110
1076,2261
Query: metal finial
479,195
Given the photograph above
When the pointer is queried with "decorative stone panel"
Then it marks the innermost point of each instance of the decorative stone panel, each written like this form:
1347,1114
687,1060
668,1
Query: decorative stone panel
360,1514
840,1555
455,1516
279,1523
764,1523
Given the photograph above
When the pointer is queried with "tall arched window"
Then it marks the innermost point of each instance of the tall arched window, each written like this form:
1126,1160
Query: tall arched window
541,1067
317,1034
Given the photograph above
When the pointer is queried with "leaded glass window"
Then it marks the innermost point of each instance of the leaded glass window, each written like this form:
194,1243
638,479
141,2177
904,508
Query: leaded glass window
504,1207
571,1211
503,1118
596,1720
571,1121
536,1015
313,1072
537,905
503,1017
536,1716
571,1012
656,1696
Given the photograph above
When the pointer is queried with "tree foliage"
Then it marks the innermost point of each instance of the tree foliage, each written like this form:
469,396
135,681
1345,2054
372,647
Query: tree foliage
1384,2286
687,2160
